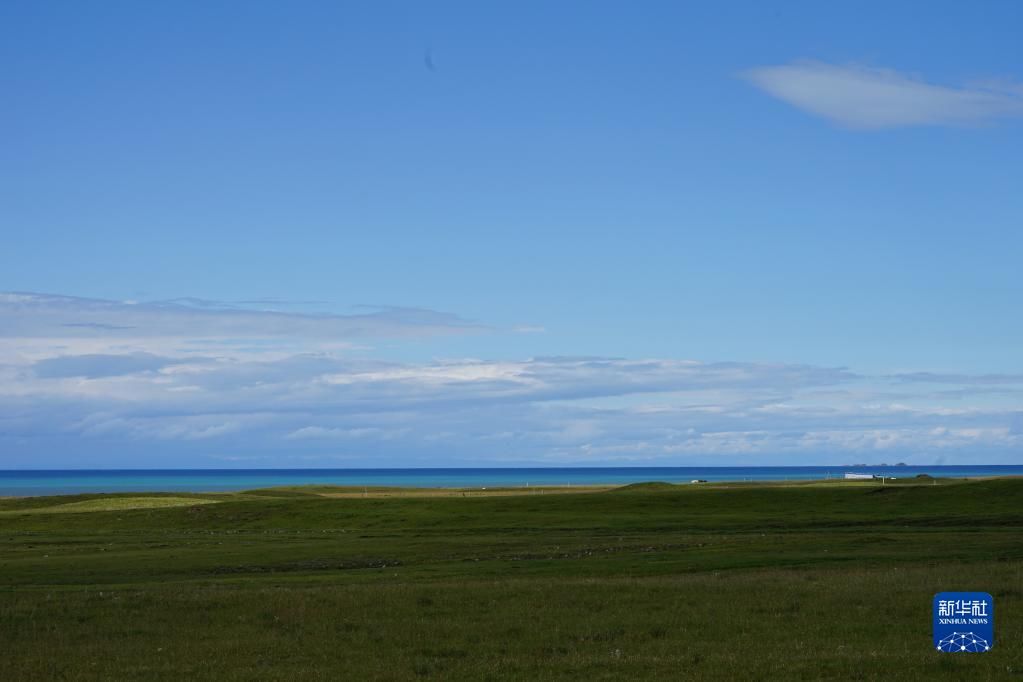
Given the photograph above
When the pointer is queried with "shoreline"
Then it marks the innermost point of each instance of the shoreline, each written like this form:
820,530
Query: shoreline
379,492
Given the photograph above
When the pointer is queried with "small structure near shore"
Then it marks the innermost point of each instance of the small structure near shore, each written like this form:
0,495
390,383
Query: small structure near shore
860,477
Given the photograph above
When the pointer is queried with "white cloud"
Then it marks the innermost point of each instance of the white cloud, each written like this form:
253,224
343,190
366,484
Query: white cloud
869,97
316,432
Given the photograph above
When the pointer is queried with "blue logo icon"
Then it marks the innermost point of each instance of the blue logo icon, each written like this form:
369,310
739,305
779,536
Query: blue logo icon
964,622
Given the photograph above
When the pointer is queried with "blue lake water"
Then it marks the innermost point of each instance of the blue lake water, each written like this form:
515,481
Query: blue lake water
59,482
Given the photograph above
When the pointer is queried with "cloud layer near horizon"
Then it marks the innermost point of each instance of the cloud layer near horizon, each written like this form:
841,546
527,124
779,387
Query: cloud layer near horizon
868,97
92,382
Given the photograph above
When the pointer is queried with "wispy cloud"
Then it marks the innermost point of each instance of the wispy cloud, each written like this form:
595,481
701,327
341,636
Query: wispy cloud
94,366
40,325
137,385
869,97
960,379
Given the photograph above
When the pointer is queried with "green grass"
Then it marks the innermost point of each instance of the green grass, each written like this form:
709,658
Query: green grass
744,581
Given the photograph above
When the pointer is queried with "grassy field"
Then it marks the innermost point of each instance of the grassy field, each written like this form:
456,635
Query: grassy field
651,581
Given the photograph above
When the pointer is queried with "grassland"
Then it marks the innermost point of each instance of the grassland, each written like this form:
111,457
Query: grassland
653,581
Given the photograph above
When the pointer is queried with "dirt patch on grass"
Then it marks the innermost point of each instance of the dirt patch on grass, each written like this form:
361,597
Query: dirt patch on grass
115,504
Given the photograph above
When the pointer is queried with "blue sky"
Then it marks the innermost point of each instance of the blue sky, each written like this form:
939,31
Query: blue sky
388,234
